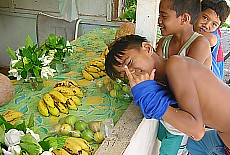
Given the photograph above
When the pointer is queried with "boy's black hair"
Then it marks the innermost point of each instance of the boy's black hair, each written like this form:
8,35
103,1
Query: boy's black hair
192,7
219,6
117,49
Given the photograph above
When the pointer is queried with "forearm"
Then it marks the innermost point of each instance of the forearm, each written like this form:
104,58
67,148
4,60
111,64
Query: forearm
185,122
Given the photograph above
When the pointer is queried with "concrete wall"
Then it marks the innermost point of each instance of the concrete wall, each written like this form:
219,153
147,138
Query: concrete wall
18,20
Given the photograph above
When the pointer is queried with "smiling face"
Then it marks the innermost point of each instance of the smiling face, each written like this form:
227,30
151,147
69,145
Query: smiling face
167,21
208,21
137,60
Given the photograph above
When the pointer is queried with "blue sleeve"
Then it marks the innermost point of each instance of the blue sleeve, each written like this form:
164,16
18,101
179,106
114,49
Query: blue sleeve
152,98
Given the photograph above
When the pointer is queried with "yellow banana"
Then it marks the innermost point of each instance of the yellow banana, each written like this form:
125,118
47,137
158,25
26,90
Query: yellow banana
77,91
65,90
83,152
72,148
56,95
86,75
96,63
102,68
91,68
99,59
67,83
10,115
42,108
82,142
48,100
102,73
62,108
95,75
54,111
70,103
75,99
61,151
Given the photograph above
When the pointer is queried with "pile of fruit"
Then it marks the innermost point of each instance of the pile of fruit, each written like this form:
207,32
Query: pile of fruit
73,145
63,97
95,69
71,126
117,89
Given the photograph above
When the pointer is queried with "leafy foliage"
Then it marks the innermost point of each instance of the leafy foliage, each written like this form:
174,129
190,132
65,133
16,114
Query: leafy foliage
129,14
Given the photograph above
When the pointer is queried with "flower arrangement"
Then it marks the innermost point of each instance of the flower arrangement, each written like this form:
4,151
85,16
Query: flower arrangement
21,140
30,61
59,46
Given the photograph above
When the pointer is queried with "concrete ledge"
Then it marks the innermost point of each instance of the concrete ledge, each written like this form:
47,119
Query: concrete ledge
122,133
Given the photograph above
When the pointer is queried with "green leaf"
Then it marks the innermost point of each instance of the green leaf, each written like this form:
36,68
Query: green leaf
31,121
28,42
11,53
24,74
19,64
28,66
52,39
34,57
36,70
28,138
26,53
21,127
45,145
2,133
30,148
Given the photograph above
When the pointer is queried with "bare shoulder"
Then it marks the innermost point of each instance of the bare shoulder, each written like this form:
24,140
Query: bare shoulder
175,62
159,47
211,38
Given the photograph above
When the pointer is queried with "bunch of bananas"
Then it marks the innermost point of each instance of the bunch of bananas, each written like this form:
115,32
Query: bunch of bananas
11,115
73,145
63,97
103,54
95,69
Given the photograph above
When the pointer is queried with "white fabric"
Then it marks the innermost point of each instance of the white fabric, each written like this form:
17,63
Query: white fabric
171,129
68,9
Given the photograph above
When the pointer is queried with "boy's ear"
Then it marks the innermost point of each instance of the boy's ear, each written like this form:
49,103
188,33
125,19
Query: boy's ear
185,18
147,47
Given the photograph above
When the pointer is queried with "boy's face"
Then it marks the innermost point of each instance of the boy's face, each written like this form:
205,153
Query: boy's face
167,21
208,21
136,60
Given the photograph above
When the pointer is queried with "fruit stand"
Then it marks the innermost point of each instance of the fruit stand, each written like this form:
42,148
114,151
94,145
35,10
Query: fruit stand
96,104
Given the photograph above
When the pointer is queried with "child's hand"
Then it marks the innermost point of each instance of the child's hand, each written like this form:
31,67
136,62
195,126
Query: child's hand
138,76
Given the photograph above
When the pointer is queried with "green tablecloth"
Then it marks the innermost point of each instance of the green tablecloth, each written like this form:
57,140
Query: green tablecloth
96,104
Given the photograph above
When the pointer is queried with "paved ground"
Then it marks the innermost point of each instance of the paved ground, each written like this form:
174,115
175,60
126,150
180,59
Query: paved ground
226,48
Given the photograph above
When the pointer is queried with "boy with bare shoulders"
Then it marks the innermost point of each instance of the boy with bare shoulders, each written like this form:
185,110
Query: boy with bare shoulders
176,20
191,84
213,14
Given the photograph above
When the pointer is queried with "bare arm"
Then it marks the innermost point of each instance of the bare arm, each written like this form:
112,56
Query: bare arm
189,118
211,38
200,50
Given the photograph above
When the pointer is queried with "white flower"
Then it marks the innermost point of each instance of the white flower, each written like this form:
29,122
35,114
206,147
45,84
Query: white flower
36,136
6,152
13,62
67,43
14,72
48,152
47,71
14,148
13,137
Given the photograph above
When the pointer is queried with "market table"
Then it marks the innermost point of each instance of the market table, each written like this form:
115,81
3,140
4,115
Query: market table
96,105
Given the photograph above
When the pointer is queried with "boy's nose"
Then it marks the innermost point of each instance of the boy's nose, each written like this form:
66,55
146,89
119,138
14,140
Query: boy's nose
207,25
